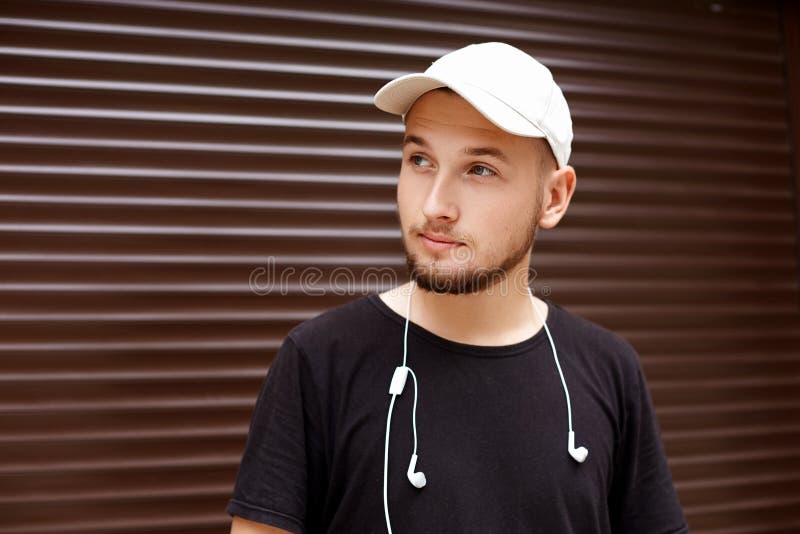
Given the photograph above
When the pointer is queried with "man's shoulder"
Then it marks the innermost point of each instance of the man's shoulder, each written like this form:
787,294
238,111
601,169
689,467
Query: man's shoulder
343,321
585,335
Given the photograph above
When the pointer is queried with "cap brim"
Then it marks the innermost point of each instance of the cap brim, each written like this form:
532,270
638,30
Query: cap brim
398,95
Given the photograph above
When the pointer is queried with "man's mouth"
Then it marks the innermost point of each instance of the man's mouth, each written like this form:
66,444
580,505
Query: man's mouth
437,242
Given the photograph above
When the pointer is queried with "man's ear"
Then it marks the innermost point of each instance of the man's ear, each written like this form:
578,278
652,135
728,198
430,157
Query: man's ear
559,185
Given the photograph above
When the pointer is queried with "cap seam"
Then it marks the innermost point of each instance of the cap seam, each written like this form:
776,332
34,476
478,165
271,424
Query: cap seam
548,133
515,110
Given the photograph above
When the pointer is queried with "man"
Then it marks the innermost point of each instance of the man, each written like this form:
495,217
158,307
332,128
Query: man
487,140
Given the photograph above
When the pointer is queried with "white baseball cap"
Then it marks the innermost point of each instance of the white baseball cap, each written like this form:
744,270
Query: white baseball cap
506,85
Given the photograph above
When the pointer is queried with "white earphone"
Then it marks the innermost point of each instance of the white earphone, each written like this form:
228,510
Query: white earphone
417,478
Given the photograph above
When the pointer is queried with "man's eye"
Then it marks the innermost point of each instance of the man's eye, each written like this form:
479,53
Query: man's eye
415,159
480,170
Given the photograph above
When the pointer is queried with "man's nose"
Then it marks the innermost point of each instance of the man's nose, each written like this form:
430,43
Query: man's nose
442,196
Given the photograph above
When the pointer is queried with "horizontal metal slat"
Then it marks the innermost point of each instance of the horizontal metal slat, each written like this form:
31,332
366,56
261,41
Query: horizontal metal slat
713,74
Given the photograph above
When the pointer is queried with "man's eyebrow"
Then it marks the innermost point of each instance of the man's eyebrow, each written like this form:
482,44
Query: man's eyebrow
486,151
474,151
413,139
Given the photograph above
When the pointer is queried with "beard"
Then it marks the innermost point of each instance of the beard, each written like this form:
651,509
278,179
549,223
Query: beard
461,276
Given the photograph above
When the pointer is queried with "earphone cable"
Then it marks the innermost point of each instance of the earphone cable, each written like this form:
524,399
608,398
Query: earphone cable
389,417
386,466
555,357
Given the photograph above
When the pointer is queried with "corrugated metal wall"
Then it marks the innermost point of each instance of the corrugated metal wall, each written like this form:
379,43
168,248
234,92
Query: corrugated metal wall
156,153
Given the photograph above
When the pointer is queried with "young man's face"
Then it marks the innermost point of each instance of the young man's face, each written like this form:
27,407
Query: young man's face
489,205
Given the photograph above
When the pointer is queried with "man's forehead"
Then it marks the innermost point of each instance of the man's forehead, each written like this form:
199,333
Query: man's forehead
438,114
437,122
443,110
439,108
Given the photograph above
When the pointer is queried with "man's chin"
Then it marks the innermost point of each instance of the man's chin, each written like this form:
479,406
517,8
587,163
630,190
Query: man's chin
441,287
445,284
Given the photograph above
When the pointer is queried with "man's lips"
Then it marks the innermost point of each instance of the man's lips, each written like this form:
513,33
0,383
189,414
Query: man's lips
440,239
433,243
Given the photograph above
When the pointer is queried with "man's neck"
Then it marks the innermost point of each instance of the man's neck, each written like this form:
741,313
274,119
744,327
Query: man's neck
503,315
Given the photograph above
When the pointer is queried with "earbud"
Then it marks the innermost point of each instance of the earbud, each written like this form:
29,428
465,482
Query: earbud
418,478
580,453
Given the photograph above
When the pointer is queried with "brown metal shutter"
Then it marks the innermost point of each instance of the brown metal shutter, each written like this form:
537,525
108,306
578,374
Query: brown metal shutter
156,153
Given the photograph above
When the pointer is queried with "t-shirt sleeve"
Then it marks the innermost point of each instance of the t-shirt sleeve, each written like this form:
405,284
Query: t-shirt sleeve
643,496
281,475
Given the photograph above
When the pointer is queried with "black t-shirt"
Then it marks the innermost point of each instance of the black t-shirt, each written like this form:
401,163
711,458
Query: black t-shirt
492,433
